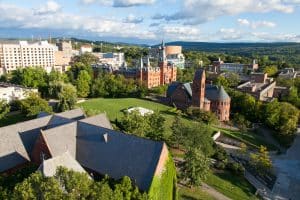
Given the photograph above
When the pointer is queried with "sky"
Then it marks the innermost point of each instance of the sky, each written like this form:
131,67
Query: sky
150,21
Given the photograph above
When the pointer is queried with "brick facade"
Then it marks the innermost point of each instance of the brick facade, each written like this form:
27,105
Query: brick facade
198,94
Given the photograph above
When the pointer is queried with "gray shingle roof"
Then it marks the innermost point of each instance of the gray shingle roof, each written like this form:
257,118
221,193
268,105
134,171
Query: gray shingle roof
75,114
212,92
98,120
91,141
171,88
216,93
17,141
48,167
122,154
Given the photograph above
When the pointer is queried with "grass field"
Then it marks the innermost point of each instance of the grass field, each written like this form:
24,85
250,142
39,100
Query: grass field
232,186
114,108
193,194
249,138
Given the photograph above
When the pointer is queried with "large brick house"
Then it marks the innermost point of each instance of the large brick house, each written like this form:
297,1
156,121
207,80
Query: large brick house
71,138
144,73
198,94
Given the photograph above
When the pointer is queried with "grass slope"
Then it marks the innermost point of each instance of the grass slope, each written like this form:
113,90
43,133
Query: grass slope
114,107
249,138
193,194
232,186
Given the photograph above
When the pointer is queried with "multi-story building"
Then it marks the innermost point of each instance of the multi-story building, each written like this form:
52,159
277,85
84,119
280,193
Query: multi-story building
200,95
64,54
110,59
11,92
25,54
259,86
174,55
289,73
144,73
219,66
86,48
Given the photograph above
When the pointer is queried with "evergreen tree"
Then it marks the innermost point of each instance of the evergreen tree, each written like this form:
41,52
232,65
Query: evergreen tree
83,83
195,167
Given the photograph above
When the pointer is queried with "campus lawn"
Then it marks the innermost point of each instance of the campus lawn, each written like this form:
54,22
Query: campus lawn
249,138
232,186
193,194
114,108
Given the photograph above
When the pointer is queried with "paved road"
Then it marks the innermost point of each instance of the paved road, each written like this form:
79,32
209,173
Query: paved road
287,168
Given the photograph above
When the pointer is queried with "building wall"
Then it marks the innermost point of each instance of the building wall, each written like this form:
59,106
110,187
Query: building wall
40,147
173,50
180,98
10,93
13,56
221,109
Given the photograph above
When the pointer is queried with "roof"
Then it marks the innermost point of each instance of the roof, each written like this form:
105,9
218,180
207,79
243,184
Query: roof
171,88
212,92
120,155
198,74
17,141
91,142
216,93
75,114
49,167
188,89
98,120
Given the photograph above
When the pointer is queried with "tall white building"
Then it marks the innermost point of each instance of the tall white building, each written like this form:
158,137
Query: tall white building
24,54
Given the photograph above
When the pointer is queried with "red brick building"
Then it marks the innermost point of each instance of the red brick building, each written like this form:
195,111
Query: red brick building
150,76
199,94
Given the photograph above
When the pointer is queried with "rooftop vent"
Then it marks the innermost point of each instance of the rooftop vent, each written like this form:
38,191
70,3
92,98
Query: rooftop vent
105,137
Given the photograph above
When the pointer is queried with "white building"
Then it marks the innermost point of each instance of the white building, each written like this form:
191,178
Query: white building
10,92
24,54
86,49
111,59
176,59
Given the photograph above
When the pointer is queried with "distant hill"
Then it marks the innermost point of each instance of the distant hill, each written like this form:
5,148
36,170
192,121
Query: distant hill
278,52
209,46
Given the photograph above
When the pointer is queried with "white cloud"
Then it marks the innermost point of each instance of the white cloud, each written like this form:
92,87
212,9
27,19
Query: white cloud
271,37
179,32
133,19
48,8
256,24
120,3
200,11
243,22
229,34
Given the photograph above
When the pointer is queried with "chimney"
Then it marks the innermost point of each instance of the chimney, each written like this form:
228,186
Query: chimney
105,137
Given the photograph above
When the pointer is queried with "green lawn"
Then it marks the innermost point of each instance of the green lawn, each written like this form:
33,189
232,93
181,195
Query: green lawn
249,138
114,107
232,186
193,194
13,119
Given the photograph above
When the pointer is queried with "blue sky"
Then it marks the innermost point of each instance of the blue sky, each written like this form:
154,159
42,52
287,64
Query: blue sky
150,21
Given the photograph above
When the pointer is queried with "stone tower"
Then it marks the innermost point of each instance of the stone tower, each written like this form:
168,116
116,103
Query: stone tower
198,89
162,63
